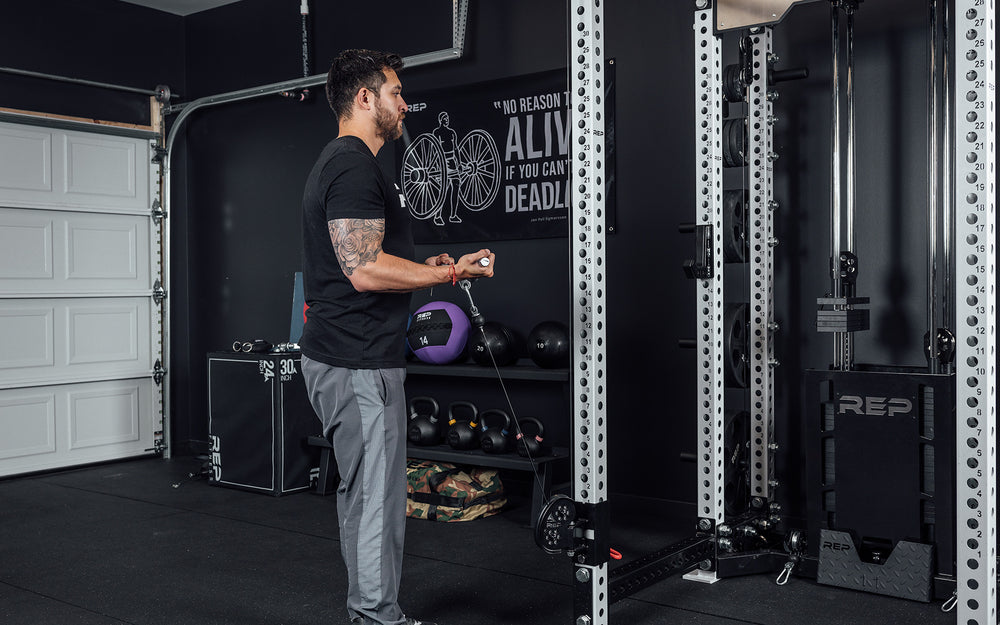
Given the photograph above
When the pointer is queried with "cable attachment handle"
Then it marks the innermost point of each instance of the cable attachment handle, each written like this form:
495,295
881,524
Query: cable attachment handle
787,571
477,320
950,604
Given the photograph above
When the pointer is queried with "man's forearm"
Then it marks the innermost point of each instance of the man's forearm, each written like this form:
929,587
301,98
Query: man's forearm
392,274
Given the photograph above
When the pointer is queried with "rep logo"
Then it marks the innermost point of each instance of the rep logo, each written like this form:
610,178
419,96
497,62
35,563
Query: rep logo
875,406
216,457
832,546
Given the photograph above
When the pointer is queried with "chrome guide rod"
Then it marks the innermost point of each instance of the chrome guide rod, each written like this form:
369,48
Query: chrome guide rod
932,186
835,217
848,337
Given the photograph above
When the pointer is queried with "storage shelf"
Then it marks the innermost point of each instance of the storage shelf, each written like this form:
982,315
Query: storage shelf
444,453
523,369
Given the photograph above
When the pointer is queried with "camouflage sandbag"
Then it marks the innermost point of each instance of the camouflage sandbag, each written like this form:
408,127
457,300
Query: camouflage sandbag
439,491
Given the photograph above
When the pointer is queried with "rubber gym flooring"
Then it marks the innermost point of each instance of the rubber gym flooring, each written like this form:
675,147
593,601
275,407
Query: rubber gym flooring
120,543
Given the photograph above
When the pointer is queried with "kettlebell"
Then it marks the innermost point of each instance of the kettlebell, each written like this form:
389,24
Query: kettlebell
494,440
462,434
531,446
423,426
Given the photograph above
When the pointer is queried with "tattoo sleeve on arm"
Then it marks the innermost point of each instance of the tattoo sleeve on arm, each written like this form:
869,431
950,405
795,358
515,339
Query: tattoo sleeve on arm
356,241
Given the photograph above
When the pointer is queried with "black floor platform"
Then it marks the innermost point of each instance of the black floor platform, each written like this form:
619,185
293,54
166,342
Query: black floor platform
120,543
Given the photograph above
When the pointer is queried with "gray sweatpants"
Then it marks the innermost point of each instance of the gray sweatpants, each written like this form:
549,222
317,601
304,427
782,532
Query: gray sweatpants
365,410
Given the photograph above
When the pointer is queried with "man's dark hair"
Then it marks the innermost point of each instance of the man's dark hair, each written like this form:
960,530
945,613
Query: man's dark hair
353,69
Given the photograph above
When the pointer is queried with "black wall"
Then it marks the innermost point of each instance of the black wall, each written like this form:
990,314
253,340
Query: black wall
104,41
239,170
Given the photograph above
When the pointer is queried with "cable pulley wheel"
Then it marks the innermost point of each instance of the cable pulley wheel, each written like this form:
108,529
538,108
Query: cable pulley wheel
554,526
162,94
734,88
735,323
734,225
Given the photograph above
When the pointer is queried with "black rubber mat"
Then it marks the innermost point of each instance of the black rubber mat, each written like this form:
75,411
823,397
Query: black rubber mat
144,543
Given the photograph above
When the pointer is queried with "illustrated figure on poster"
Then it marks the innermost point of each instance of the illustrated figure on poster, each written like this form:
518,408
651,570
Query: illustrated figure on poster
448,139
437,167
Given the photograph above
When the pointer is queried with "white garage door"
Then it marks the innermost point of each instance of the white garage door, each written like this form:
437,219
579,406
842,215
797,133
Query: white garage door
80,331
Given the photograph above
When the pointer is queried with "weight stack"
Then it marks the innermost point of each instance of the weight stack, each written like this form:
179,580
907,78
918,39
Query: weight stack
259,421
880,465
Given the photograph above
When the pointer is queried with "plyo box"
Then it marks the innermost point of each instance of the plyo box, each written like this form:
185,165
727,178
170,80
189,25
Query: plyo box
259,419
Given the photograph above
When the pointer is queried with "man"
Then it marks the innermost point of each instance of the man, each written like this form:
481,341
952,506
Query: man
356,242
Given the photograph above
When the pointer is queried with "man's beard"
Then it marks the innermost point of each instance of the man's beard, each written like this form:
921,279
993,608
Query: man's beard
387,125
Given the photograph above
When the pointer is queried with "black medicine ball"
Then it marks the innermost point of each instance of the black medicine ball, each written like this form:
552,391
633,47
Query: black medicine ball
499,339
548,345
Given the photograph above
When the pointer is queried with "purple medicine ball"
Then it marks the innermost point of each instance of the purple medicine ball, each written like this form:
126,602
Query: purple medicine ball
438,332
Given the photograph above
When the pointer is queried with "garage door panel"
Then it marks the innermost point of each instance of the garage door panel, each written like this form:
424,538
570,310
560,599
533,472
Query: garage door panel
88,338
58,169
27,334
42,252
28,421
26,156
62,425
102,332
106,252
25,249
96,166
104,417
79,329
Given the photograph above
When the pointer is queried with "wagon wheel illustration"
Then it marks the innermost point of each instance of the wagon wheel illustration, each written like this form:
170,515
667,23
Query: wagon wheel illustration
479,162
424,176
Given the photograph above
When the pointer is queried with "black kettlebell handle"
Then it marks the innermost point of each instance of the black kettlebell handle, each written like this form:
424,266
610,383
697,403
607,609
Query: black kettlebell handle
495,411
463,404
538,425
435,409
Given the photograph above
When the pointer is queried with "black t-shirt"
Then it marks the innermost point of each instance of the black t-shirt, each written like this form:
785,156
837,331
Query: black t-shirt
345,328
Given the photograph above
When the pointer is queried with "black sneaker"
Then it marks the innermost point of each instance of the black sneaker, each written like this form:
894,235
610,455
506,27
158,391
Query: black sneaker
412,621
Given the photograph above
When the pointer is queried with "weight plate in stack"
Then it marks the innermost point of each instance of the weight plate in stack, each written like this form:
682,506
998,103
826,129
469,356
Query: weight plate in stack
734,224
736,322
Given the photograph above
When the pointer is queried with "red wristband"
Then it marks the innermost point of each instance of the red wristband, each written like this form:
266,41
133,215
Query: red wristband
454,278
